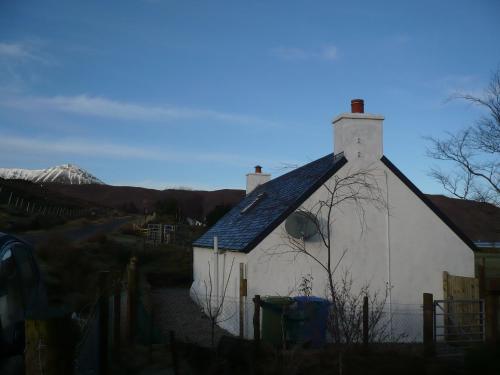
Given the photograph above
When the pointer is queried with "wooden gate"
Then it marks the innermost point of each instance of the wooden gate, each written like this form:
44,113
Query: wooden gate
459,317
460,287
459,321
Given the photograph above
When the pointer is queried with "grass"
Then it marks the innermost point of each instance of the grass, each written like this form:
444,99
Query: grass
12,220
167,265
483,359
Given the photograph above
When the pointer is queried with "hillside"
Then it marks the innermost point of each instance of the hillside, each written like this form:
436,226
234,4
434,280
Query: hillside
193,203
479,221
42,194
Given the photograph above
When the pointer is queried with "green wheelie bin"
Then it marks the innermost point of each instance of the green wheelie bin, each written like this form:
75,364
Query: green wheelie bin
274,319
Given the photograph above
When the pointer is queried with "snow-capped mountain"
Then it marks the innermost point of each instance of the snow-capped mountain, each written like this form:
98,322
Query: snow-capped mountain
64,174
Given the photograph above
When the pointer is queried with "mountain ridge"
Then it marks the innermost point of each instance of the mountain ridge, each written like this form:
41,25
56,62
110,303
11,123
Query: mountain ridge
69,174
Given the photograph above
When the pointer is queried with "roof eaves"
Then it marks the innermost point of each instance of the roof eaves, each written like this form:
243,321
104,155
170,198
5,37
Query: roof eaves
429,203
220,248
336,167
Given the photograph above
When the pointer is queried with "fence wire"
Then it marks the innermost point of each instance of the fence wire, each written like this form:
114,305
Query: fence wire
398,323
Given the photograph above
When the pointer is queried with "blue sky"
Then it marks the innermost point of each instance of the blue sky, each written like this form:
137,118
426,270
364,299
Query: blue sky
179,93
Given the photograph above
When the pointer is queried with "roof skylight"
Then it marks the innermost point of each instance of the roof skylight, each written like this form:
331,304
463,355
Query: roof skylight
259,197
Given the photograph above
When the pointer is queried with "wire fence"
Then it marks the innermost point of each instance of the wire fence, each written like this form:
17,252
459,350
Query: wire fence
396,323
43,207
405,322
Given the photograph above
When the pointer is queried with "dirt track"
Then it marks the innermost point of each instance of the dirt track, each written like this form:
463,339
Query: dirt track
75,234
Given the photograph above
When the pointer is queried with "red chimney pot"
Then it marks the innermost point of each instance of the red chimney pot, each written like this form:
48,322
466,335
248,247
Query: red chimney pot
258,169
357,106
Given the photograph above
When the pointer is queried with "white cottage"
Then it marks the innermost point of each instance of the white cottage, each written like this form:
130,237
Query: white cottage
400,248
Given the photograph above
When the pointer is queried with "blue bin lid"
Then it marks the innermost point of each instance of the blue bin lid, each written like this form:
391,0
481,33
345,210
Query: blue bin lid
306,299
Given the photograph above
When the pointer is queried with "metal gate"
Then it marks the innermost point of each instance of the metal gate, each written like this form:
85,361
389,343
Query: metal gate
459,321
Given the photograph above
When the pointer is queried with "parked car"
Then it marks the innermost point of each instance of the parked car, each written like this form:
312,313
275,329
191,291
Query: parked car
21,291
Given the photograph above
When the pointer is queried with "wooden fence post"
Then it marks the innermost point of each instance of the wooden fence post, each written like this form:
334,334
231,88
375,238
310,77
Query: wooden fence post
103,322
482,279
491,318
365,321
173,350
132,298
428,312
256,322
151,332
117,312
50,344
243,293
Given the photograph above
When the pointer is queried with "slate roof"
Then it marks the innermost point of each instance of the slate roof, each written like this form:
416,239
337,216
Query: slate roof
268,205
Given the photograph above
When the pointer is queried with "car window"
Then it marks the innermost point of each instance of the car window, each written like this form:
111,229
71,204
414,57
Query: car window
6,255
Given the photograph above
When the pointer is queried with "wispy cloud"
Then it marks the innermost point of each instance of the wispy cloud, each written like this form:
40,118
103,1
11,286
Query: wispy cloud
109,108
451,85
327,52
20,64
14,51
93,148
23,51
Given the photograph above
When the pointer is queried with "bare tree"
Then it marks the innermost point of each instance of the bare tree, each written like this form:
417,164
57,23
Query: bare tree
213,301
356,190
473,151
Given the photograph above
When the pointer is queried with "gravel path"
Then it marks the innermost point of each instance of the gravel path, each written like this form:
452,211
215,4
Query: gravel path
174,310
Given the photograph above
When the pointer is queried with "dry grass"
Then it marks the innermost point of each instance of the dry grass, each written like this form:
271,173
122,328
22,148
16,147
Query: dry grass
128,229
71,271
167,265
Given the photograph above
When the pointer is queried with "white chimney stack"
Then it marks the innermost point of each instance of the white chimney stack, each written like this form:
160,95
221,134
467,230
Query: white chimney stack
358,134
256,179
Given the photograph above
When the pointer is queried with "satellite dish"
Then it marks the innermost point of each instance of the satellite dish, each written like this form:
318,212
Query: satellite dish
301,224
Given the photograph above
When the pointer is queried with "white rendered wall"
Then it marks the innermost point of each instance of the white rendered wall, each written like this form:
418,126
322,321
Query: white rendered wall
199,290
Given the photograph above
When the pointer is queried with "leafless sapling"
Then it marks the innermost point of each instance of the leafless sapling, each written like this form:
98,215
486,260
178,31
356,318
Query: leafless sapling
213,300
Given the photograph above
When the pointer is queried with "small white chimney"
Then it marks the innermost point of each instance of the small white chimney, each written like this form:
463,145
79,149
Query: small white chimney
358,134
256,179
